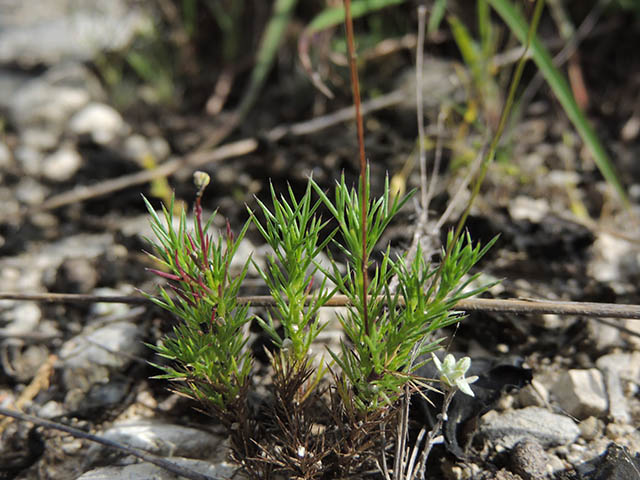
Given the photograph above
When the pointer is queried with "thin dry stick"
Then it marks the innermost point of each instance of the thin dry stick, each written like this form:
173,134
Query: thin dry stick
363,162
522,306
448,396
203,156
342,115
422,11
426,191
82,193
147,457
437,158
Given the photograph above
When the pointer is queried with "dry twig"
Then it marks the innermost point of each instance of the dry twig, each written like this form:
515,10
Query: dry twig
524,306
136,452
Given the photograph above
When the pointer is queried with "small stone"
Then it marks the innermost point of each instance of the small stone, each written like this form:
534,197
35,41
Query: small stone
76,275
24,318
608,251
618,407
61,165
40,102
72,447
526,208
604,336
627,365
165,439
159,147
529,460
136,147
39,138
633,325
148,471
99,120
29,159
581,393
88,358
548,429
535,394
30,192
56,31
630,129
616,432
590,428
51,409
504,474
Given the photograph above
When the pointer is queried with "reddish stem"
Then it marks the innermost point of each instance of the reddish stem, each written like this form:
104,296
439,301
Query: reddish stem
168,276
363,167
203,240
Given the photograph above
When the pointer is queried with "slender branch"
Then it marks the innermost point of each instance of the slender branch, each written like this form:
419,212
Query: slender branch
517,306
422,12
434,431
363,163
136,452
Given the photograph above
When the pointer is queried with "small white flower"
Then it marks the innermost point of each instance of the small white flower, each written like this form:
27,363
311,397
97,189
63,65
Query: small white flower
452,373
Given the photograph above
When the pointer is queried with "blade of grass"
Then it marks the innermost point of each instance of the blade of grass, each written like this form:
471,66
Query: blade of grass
561,90
331,17
273,34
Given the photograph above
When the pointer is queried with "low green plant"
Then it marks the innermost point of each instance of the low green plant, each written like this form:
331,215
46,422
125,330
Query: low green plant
385,331
207,350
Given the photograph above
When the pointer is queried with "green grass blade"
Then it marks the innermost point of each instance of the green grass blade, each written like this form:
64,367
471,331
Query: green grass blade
561,90
331,17
269,44
437,14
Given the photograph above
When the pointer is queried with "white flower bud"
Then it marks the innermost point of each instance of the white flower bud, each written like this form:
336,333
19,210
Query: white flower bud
201,179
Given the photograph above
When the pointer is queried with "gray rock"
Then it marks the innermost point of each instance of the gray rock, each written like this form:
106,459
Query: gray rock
167,440
529,460
590,428
89,357
626,365
548,429
136,147
24,272
10,81
55,30
533,395
103,346
527,208
24,318
29,159
99,120
30,192
581,393
632,337
618,407
40,139
47,101
148,471
61,165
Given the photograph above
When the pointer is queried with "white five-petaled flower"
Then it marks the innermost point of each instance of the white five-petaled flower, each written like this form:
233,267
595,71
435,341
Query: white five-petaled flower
452,373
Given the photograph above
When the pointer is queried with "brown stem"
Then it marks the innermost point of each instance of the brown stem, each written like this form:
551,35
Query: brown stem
363,164
521,306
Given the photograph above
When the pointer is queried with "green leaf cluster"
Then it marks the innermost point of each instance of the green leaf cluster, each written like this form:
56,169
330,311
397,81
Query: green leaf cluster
207,350
385,330
295,234
390,329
